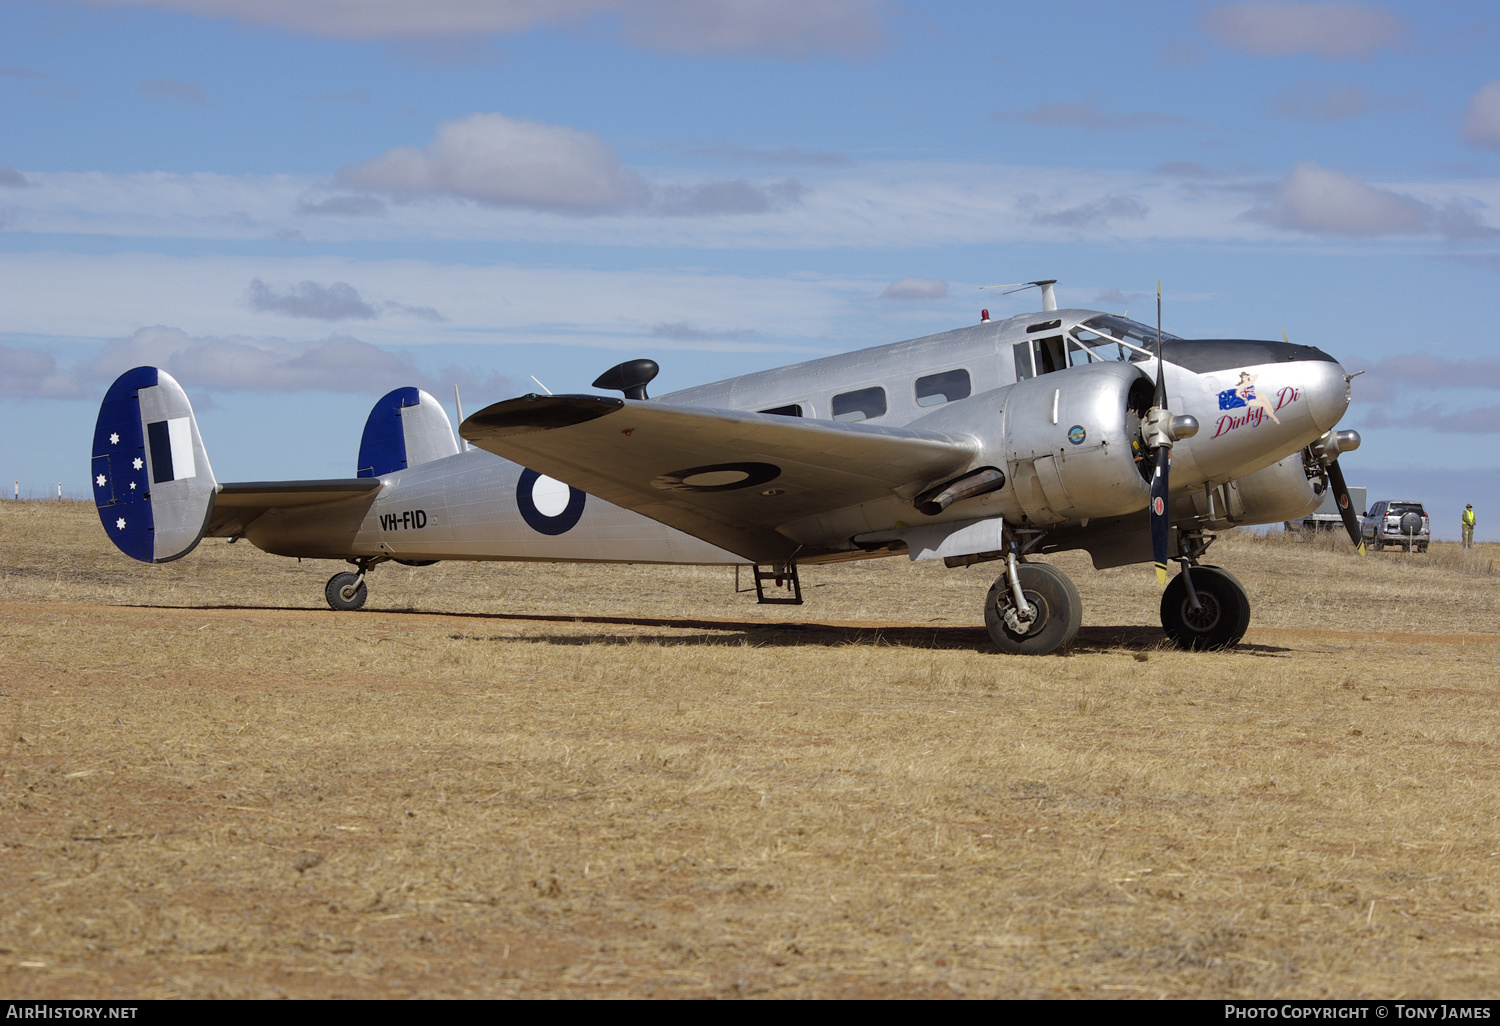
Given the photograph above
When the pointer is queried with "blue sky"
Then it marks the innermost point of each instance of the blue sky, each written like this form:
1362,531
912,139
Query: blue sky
295,205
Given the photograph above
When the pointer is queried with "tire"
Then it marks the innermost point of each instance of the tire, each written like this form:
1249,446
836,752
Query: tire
1422,549
1059,611
334,592
1222,621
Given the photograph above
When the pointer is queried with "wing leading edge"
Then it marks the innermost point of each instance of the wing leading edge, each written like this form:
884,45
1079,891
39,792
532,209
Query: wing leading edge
727,477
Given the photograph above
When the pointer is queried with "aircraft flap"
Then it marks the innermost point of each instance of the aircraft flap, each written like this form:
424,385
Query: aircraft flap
728,477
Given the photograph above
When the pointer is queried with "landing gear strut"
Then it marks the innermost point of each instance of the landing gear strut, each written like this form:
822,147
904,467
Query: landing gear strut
346,591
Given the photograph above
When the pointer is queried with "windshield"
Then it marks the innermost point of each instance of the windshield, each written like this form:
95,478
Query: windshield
1102,335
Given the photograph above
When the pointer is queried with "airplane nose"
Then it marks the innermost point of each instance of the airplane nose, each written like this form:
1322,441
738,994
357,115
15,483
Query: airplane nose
1327,392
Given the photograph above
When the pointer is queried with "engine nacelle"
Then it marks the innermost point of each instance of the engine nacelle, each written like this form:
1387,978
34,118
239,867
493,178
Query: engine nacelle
1068,442
1282,491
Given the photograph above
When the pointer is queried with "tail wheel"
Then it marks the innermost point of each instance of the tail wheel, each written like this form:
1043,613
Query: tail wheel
1220,621
346,591
1056,607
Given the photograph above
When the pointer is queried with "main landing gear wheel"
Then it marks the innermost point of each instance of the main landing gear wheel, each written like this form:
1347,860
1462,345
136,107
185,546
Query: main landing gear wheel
346,591
1057,609
1223,618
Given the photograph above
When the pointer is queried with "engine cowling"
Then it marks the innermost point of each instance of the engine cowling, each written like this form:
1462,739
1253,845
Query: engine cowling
1071,443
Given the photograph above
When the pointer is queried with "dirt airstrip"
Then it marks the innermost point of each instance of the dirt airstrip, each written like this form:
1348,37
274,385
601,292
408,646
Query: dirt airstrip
508,780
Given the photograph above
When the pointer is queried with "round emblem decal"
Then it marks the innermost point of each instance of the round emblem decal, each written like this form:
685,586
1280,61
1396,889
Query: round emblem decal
1343,502
719,477
1076,434
1158,506
547,505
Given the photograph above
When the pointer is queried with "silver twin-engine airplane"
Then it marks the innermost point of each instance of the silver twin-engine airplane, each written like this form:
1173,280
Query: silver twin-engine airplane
1000,441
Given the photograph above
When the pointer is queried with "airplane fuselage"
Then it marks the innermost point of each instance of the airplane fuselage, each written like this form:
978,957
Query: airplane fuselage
1258,405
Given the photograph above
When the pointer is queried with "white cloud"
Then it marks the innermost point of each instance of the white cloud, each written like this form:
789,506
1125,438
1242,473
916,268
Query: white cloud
706,199
12,178
238,363
1320,200
337,302
1086,216
1335,31
342,206
1304,101
33,373
776,28
869,204
1482,126
506,162
915,288
1089,117
386,19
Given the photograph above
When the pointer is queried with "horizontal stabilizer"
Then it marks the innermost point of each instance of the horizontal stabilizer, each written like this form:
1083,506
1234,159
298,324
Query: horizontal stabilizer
728,477
239,503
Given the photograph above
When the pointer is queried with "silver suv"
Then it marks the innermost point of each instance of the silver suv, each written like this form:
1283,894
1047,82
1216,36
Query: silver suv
1397,522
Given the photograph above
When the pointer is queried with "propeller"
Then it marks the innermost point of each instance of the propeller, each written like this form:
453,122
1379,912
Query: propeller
1159,429
1346,508
1326,451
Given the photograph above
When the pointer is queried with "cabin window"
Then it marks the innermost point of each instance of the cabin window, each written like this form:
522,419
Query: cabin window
936,389
865,404
794,410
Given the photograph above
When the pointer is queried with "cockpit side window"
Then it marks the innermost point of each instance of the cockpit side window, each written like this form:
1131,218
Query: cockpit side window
1040,356
865,404
936,389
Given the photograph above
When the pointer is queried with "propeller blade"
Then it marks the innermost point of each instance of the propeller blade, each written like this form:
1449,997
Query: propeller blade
1346,508
1161,380
1161,521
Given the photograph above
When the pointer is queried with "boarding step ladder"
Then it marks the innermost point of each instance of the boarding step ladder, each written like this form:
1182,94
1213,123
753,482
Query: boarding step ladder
774,585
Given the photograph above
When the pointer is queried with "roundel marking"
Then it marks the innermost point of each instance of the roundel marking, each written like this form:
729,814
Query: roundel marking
1076,434
1158,506
1343,502
717,477
547,505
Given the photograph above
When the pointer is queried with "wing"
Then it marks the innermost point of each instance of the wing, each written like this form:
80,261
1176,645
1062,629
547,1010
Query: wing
236,506
727,477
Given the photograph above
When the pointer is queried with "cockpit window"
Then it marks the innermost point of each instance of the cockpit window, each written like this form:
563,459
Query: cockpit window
1103,335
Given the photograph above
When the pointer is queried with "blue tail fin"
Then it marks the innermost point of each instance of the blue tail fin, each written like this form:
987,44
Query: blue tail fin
406,428
152,482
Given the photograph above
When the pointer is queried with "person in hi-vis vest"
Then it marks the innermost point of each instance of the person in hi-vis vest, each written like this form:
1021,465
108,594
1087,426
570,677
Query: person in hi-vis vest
1469,526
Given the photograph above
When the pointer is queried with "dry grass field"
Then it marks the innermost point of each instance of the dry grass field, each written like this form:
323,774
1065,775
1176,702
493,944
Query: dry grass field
512,780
